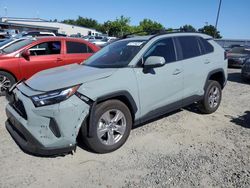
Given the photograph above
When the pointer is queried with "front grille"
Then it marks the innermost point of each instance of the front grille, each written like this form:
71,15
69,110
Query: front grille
19,107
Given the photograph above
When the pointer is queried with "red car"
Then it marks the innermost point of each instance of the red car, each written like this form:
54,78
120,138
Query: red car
25,58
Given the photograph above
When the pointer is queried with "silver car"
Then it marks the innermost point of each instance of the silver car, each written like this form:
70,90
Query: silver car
125,84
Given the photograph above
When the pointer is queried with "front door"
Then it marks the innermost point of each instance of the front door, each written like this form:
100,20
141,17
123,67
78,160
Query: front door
43,56
160,88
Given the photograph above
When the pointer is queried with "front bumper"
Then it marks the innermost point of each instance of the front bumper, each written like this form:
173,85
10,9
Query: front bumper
28,142
48,130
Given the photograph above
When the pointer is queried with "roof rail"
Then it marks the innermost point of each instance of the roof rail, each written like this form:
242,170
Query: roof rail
160,32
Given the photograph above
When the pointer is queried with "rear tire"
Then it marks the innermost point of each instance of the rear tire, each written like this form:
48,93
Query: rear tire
212,97
111,127
6,81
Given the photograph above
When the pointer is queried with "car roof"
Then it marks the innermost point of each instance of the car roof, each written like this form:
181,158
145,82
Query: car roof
58,38
170,34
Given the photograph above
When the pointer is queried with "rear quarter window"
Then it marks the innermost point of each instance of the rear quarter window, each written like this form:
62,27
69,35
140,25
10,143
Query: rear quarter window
77,47
206,47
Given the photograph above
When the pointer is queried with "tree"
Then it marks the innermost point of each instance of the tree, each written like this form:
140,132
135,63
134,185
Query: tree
84,22
69,21
87,22
210,30
188,28
148,26
116,28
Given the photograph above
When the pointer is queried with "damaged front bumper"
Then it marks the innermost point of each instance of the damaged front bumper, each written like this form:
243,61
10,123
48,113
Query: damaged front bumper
48,130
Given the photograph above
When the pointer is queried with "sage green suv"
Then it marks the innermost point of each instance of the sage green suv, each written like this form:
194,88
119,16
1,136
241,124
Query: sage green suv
125,84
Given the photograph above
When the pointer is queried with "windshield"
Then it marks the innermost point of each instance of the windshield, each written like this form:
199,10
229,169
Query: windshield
116,55
6,42
16,46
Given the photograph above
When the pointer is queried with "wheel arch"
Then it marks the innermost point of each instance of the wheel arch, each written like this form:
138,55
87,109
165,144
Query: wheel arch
9,72
217,75
123,96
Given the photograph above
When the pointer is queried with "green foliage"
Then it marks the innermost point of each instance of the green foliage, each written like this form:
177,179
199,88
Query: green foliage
148,25
210,30
118,27
84,22
121,26
188,28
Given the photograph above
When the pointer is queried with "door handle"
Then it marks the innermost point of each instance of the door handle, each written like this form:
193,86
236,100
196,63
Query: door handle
207,62
177,71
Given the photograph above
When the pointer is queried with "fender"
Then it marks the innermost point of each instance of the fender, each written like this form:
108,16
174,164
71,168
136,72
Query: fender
125,95
220,70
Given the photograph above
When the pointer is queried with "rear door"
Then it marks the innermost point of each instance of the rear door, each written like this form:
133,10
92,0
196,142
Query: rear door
76,52
43,55
196,64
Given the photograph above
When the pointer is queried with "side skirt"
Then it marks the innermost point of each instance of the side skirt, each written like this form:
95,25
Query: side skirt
154,114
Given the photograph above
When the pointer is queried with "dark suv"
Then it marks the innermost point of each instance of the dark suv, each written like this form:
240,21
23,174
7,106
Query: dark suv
237,56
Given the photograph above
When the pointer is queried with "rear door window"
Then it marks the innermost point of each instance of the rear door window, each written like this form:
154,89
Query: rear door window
77,47
46,48
190,47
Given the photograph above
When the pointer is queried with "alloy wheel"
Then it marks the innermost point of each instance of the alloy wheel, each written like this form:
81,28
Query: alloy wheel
214,97
5,83
111,127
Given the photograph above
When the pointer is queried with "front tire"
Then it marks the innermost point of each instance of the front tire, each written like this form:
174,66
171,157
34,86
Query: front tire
212,97
112,124
6,81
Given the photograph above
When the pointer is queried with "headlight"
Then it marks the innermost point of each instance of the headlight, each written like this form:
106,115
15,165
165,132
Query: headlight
54,97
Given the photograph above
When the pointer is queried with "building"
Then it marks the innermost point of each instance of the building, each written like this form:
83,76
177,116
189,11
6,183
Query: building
29,24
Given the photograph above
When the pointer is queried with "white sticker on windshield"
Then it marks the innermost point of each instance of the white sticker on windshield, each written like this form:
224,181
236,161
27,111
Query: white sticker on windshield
135,43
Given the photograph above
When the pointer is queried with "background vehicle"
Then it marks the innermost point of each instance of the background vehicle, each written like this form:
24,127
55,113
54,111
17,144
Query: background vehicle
3,33
9,42
92,38
38,34
23,59
237,56
126,83
245,70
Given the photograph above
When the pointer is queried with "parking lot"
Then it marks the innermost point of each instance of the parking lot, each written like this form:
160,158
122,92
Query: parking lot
182,149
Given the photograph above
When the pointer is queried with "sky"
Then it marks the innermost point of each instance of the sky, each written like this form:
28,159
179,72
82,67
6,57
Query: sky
234,20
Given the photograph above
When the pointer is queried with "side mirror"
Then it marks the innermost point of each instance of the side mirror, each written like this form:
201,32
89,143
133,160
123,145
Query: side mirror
154,61
26,54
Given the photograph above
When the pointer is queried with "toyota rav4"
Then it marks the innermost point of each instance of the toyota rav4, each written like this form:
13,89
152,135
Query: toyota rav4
125,84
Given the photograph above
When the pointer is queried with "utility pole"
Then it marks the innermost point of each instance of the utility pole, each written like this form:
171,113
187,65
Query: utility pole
217,19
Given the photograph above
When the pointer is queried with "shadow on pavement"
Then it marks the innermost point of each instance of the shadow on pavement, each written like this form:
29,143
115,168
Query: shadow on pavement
243,120
156,119
193,108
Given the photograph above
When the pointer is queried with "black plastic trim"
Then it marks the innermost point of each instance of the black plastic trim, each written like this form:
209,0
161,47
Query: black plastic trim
168,108
220,70
122,93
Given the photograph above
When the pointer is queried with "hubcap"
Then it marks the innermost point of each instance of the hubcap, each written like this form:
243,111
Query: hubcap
214,97
5,83
111,127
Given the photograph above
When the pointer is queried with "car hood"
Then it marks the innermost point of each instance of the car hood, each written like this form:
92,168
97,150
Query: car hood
66,76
